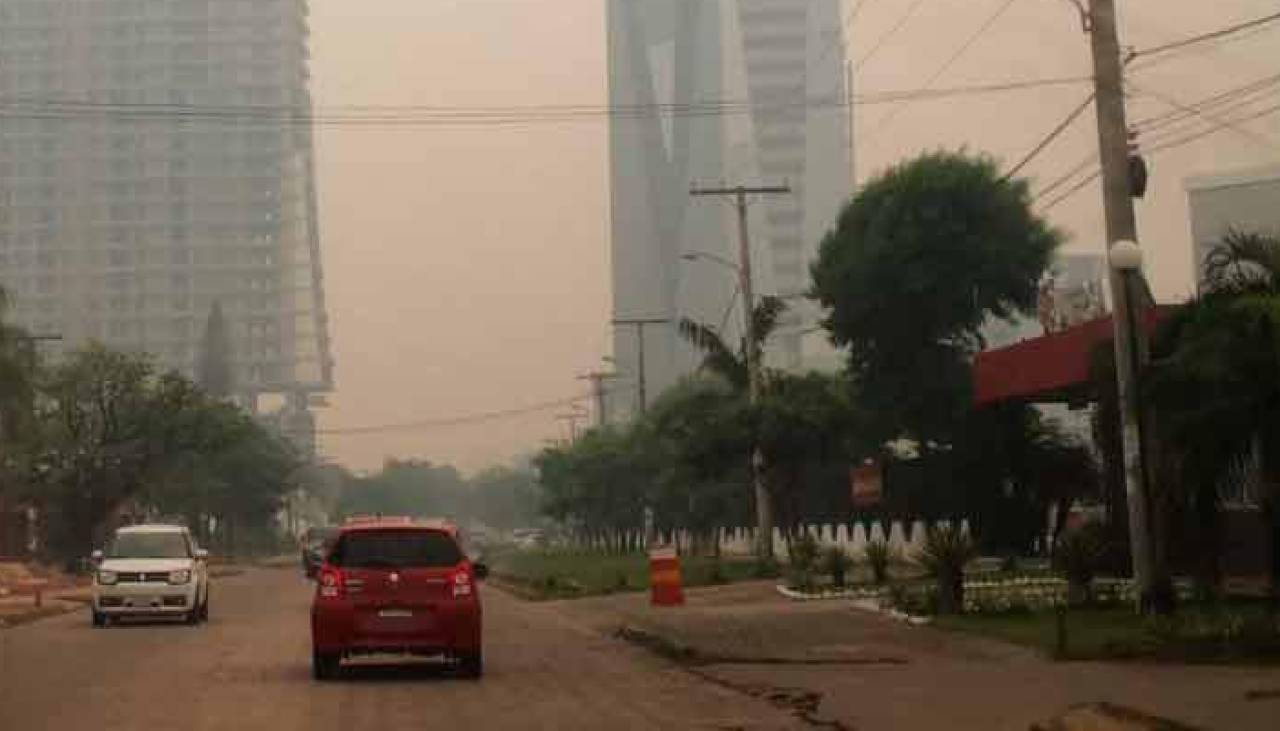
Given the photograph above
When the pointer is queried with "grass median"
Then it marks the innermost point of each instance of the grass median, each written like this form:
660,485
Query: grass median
1234,632
562,574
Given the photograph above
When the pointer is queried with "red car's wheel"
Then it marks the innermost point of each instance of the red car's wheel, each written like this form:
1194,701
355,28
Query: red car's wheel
471,665
324,665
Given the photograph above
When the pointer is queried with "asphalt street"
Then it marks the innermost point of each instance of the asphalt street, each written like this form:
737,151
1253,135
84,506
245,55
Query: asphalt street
249,668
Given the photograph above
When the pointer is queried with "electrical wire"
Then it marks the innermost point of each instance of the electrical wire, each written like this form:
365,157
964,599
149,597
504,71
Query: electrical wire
1053,135
1205,37
463,420
1065,177
1237,93
887,35
64,109
946,65
1242,131
1220,103
1166,144
1187,139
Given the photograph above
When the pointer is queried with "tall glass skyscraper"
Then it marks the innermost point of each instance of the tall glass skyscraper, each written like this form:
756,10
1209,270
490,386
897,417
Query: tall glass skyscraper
148,170
716,92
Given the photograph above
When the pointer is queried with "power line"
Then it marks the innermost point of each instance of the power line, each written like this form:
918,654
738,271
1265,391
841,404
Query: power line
1166,144
884,37
476,418
1053,135
1206,37
1242,92
1242,131
66,109
1058,182
1221,103
1187,139
963,49
1072,191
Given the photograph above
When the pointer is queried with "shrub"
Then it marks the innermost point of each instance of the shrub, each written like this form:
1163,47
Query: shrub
945,552
878,555
1079,554
803,559
836,563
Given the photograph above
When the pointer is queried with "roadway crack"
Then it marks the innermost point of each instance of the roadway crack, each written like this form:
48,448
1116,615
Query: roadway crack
802,703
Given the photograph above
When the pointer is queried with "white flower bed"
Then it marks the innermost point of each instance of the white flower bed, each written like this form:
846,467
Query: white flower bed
982,595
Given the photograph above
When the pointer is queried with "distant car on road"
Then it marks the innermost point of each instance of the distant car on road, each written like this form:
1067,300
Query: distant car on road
151,570
397,586
315,542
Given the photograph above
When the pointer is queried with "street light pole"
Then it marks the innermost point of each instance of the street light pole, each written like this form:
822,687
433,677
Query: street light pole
752,351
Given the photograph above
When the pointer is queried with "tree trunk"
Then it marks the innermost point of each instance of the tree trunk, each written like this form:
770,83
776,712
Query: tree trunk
1208,560
951,592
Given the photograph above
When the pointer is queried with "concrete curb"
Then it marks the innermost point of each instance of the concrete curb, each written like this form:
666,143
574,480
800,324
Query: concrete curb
868,600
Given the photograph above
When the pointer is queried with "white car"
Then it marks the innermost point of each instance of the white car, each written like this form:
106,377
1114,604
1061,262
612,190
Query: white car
151,570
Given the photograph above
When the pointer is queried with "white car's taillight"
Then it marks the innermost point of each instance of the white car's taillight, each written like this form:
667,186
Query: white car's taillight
462,584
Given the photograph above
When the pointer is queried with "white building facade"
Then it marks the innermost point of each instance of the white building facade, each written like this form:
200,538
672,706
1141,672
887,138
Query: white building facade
721,92
134,195
1244,200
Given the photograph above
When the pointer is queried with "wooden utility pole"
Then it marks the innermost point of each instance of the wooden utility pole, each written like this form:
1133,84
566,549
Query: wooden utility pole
1113,149
639,323
753,350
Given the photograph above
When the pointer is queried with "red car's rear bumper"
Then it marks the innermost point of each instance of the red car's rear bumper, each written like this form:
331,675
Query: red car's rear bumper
338,626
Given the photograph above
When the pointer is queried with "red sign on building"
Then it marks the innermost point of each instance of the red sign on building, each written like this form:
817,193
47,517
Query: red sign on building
867,482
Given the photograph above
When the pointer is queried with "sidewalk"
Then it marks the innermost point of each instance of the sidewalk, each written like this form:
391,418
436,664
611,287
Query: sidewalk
863,670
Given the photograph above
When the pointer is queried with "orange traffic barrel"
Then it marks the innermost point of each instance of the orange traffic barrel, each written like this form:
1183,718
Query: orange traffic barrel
664,578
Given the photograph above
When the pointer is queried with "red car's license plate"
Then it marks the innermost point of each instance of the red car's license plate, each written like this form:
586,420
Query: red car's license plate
395,613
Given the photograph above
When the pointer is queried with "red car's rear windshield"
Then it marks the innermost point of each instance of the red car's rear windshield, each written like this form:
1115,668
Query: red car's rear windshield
397,549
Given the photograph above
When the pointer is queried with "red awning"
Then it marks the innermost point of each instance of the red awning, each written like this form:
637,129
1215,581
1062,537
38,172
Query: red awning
1053,367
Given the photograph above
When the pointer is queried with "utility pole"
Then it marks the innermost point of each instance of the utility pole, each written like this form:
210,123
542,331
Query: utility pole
764,506
639,323
597,379
1113,149
572,419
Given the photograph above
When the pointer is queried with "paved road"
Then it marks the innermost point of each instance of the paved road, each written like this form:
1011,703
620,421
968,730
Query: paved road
249,668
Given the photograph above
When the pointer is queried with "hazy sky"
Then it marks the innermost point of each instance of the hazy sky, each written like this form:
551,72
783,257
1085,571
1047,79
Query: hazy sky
467,268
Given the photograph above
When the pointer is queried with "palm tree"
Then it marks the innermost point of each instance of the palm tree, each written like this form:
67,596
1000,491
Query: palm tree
721,359
1215,382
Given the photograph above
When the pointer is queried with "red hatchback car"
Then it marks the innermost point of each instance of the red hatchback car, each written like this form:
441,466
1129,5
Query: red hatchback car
400,587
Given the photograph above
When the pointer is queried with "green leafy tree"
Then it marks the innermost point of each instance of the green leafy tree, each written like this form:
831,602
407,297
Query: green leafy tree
411,487
923,256
699,432
505,498
599,485
18,369
1216,382
805,424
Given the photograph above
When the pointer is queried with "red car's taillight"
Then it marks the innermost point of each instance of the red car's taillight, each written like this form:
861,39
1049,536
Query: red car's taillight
330,583
461,584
